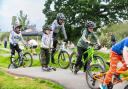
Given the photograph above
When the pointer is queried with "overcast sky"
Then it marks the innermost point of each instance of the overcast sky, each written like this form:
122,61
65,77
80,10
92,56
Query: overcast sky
9,8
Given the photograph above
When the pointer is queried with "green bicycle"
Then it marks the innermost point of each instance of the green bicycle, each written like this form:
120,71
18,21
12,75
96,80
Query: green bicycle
92,58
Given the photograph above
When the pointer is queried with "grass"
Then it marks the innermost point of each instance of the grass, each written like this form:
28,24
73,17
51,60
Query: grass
12,82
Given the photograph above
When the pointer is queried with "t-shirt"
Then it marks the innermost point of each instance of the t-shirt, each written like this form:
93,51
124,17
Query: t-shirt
14,38
118,47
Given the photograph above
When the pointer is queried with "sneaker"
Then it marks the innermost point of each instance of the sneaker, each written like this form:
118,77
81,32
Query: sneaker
51,68
45,69
75,69
102,86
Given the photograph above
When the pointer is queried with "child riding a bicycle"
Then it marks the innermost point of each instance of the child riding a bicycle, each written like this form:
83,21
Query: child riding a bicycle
119,52
88,36
14,38
47,43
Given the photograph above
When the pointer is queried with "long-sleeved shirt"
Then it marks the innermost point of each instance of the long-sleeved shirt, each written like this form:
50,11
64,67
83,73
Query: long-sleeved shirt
86,36
56,28
47,41
14,38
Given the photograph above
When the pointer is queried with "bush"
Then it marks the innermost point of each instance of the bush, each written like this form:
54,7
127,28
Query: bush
105,40
119,30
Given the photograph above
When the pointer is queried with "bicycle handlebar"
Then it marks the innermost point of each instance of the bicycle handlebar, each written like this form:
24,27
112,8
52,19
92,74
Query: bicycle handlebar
95,45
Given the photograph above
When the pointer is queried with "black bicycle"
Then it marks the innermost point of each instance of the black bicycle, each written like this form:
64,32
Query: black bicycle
23,59
63,57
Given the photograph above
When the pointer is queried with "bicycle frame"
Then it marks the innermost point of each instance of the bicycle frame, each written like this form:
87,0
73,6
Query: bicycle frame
97,77
90,53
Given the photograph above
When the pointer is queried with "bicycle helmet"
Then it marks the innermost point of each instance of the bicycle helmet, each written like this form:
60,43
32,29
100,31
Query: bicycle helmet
90,24
60,16
17,26
46,27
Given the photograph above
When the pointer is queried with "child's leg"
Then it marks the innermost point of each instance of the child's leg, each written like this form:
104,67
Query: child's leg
47,57
114,59
43,58
12,50
124,67
80,52
18,50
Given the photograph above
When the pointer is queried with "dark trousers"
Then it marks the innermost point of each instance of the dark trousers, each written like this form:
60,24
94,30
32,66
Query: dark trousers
45,56
80,52
54,47
13,48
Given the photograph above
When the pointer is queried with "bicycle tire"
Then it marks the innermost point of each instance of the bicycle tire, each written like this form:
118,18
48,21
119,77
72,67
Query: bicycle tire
92,83
63,63
14,62
72,60
100,61
126,87
12,66
27,57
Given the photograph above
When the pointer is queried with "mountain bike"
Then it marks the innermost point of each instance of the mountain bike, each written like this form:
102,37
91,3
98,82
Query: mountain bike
23,59
95,76
92,58
63,57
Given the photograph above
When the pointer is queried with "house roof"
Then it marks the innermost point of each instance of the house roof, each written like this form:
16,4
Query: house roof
30,32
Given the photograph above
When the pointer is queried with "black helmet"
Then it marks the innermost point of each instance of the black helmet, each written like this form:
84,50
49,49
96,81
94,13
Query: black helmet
46,27
90,24
60,16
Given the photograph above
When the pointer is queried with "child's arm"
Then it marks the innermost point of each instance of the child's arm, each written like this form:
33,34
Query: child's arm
11,37
84,38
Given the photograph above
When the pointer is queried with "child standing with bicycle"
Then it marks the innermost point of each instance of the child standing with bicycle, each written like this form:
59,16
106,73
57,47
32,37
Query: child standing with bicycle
47,44
83,43
119,52
14,38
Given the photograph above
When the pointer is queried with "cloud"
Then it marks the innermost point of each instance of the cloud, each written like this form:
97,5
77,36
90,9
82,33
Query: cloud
33,8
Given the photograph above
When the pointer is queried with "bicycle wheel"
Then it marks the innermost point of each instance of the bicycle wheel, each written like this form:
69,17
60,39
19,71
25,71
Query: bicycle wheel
63,59
126,87
14,63
27,59
99,60
72,60
92,70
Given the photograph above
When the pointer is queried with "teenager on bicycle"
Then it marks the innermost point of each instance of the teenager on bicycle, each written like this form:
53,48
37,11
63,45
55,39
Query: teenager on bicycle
57,25
87,36
14,38
118,53
47,43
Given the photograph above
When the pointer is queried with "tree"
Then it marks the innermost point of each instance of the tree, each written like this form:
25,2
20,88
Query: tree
77,12
23,20
14,20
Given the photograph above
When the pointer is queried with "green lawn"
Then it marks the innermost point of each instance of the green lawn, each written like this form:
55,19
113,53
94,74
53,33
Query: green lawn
12,82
